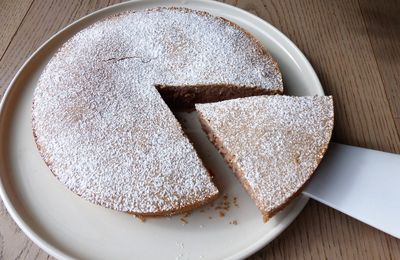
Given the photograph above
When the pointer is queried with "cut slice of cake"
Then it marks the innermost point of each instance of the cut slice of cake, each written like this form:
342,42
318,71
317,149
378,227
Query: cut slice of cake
272,143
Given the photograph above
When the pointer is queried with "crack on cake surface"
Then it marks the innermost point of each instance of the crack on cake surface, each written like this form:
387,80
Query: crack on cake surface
142,59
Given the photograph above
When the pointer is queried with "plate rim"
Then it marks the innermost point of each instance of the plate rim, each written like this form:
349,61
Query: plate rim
57,253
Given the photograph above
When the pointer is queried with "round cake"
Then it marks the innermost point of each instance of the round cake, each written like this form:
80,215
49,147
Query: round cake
100,121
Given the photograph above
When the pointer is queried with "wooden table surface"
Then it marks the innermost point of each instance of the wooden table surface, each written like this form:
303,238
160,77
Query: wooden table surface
354,46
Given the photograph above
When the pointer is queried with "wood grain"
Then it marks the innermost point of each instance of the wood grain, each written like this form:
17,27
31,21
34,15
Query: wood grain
383,26
12,13
354,47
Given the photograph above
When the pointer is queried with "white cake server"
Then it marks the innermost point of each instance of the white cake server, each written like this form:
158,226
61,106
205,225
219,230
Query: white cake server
362,183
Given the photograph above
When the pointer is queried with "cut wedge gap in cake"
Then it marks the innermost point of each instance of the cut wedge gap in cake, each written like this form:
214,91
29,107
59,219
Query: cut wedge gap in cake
273,144
185,97
182,99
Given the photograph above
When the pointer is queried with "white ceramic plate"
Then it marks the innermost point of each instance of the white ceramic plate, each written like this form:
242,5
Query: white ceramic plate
67,226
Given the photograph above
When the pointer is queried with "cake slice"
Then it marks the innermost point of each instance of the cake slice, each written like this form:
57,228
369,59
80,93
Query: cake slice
272,143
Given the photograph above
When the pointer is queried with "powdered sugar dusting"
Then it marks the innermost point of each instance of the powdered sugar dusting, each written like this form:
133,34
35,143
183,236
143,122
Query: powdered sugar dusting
102,127
277,141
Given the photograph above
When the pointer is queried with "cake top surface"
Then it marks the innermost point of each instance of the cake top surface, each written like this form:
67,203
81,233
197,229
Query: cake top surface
102,127
277,141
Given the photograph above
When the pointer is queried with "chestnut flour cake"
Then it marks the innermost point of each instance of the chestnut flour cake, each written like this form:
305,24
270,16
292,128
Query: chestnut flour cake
101,125
272,143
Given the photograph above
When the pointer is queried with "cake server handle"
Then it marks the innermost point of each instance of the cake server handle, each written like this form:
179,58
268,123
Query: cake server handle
362,183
